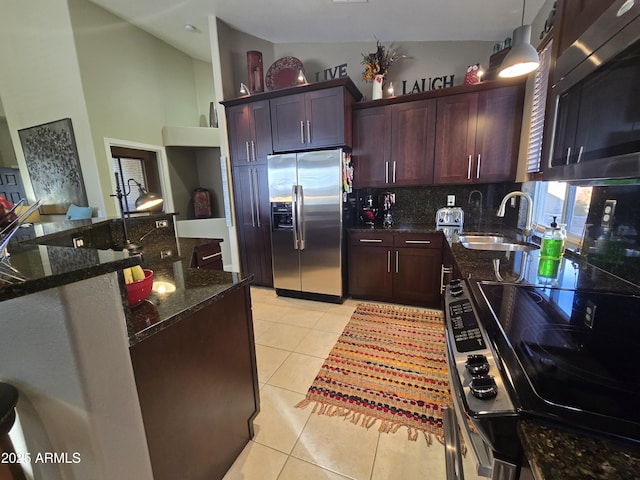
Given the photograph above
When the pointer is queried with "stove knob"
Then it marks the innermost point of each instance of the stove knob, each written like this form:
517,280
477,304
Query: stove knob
483,387
477,365
456,291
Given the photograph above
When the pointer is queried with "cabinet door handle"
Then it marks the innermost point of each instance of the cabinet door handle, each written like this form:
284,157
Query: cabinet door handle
469,168
257,197
394,171
253,150
444,271
386,172
423,242
568,155
580,153
478,167
308,131
388,261
371,240
252,202
397,261
301,131
248,156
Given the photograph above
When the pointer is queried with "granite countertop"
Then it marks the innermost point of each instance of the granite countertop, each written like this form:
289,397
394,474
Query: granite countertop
397,228
554,453
519,267
178,289
46,267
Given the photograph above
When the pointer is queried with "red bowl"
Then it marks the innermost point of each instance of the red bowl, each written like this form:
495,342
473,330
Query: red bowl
138,291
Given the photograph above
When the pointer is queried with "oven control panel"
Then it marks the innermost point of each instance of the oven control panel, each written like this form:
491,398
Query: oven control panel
466,331
470,355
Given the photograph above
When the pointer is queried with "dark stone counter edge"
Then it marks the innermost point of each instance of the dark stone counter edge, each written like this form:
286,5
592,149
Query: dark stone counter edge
140,335
559,453
14,290
408,228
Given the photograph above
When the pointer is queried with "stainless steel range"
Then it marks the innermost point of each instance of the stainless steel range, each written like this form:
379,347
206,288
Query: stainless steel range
561,356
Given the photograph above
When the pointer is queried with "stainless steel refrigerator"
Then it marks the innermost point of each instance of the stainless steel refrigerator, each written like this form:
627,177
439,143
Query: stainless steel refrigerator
305,193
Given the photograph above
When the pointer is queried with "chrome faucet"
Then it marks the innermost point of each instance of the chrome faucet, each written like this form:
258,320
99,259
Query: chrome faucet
528,227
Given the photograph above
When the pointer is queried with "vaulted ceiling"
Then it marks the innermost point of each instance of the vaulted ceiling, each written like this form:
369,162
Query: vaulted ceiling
317,21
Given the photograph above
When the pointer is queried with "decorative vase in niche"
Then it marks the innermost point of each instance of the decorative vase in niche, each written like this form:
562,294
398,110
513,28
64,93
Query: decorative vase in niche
378,80
254,71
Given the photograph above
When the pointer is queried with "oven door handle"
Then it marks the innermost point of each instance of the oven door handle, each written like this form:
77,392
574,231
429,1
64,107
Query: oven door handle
481,452
452,449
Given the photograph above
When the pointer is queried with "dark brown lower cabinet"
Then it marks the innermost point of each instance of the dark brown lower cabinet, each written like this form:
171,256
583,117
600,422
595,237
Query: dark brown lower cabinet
253,223
396,267
198,390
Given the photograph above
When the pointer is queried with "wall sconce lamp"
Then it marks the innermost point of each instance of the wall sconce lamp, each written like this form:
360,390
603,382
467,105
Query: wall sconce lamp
522,58
244,90
145,201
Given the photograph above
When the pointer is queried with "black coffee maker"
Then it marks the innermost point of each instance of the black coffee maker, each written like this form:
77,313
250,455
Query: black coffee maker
368,209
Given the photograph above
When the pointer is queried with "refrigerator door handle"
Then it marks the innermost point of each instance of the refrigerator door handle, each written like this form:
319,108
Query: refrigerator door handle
294,214
300,215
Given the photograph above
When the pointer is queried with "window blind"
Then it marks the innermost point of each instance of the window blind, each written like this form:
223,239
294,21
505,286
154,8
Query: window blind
536,129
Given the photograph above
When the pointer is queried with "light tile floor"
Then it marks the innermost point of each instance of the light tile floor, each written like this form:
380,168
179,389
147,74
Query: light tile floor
293,337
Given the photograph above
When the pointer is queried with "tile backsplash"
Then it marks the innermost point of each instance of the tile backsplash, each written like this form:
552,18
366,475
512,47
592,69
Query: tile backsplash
615,249
418,205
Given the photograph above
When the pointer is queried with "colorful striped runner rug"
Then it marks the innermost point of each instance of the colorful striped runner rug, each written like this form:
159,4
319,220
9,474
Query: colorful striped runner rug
389,365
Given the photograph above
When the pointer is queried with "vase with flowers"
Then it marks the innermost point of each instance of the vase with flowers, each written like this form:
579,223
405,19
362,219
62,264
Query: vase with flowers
377,66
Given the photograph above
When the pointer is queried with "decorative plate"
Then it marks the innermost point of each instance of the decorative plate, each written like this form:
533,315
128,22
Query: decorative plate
283,73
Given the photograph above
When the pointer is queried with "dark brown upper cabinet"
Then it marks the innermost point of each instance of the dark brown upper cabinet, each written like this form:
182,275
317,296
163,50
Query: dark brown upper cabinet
393,145
478,136
310,120
249,127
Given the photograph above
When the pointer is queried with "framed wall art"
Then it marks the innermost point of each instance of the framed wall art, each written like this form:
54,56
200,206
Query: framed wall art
53,164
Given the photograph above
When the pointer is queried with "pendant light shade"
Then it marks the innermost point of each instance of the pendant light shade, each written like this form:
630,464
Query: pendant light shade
522,58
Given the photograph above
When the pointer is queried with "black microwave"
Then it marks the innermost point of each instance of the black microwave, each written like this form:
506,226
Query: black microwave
594,125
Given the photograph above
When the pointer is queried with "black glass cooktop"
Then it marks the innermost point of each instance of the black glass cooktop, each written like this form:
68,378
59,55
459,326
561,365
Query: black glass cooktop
574,355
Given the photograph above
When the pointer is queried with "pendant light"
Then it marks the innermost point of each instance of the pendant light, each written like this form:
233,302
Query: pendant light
522,58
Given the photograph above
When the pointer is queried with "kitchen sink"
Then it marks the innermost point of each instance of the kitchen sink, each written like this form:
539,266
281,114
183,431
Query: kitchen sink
494,242
482,238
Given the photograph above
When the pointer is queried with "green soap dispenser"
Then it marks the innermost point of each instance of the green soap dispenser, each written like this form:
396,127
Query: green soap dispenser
553,241
552,250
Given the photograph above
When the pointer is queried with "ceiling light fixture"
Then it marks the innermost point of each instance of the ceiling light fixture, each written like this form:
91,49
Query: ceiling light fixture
522,58
190,28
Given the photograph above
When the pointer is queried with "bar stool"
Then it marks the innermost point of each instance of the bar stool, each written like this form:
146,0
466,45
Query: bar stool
8,400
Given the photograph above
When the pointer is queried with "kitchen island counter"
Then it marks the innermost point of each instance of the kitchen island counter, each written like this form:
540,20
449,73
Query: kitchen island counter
117,384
